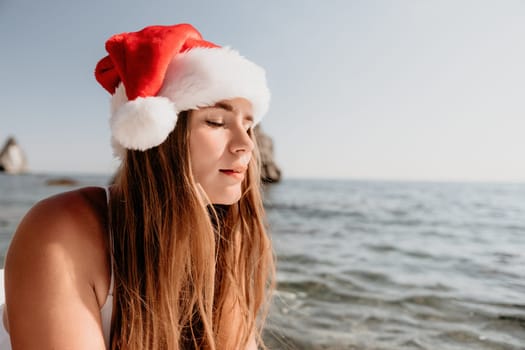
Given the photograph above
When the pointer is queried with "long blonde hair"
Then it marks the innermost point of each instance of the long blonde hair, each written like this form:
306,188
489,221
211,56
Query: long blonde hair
177,262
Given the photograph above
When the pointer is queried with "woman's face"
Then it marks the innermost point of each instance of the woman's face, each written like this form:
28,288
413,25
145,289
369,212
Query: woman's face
221,148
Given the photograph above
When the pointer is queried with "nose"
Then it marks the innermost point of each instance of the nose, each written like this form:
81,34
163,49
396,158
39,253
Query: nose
241,141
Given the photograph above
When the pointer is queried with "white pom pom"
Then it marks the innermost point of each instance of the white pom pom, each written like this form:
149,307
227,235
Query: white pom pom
143,123
118,150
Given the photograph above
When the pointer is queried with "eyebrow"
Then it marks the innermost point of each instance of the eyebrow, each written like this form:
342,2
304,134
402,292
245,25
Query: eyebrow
230,108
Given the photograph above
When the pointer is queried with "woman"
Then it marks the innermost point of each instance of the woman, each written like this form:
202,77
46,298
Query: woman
175,254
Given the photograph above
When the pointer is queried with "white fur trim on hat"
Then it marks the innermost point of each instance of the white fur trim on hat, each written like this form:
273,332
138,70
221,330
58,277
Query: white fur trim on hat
202,77
142,123
196,78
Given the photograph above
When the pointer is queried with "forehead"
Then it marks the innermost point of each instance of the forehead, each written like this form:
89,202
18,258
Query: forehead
236,105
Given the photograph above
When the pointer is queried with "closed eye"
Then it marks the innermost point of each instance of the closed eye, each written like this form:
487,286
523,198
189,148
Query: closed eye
214,124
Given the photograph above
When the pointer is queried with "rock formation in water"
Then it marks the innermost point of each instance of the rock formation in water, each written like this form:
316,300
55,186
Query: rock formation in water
270,172
12,158
62,181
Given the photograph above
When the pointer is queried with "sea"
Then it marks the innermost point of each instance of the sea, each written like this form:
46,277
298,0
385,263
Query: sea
374,264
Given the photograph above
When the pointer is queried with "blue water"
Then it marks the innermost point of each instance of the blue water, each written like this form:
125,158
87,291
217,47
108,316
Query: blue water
392,265
377,265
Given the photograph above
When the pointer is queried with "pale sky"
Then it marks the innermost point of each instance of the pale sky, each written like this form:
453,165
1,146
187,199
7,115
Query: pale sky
405,90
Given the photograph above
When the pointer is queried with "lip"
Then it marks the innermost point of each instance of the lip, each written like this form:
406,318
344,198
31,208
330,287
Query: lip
235,172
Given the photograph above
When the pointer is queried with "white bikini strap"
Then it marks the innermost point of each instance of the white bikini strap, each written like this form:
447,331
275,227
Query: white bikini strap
111,283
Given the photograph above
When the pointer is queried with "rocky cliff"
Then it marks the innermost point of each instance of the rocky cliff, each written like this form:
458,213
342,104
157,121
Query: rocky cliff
270,172
12,158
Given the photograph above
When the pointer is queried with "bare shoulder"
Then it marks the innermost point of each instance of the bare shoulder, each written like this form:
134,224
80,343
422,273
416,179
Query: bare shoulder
66,232
78,207
56,272
68,220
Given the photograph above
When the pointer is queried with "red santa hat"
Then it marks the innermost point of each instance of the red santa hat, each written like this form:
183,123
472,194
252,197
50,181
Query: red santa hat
155,73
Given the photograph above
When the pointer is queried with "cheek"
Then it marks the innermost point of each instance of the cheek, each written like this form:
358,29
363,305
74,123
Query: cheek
206,149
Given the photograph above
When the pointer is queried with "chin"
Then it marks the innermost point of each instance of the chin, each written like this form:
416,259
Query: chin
227,197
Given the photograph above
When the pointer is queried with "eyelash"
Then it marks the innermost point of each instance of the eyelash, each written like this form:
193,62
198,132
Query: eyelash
214,124
219,125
